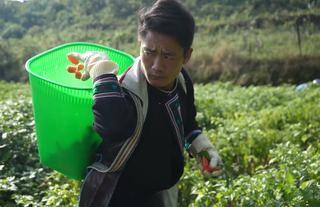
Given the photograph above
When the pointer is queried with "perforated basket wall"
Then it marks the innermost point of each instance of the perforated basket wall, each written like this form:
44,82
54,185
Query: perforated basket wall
62,107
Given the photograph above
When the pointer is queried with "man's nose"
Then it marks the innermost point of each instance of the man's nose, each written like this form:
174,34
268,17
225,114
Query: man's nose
157,63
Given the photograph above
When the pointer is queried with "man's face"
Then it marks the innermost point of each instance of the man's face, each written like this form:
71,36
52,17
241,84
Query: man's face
162,59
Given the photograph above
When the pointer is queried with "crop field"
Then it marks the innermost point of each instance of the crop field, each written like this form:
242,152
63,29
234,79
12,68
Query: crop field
268,137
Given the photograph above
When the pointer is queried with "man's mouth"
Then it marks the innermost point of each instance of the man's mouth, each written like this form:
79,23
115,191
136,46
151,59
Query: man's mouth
155,77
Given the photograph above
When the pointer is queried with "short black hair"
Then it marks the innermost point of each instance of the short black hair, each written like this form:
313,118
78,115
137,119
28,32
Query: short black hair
168,17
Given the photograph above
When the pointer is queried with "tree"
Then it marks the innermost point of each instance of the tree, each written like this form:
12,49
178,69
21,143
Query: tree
13,31
8,62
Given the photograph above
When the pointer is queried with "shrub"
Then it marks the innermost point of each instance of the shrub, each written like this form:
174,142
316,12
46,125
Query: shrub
267,136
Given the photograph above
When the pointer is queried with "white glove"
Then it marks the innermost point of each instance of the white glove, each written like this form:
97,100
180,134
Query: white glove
95,64
208,158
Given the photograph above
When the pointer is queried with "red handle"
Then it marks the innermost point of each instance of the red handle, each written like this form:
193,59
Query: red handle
206,166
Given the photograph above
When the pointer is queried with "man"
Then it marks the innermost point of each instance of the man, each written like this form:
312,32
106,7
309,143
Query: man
147,117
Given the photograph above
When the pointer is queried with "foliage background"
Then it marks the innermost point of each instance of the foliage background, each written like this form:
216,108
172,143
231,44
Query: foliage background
243,41
268,135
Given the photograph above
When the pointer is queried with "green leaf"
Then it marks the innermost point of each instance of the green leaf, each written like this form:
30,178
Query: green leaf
306,184
290,178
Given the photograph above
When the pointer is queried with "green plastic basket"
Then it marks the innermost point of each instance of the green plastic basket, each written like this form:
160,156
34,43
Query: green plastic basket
62,107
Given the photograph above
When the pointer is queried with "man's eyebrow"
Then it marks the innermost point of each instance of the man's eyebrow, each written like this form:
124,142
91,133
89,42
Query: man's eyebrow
149,49
168,53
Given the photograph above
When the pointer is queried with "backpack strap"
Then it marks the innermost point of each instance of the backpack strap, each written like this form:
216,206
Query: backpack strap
182,81
128,147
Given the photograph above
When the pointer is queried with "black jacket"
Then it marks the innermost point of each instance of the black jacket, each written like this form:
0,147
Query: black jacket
157,162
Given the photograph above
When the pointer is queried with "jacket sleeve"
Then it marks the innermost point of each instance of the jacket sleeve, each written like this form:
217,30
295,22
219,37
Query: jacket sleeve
113,109
191,130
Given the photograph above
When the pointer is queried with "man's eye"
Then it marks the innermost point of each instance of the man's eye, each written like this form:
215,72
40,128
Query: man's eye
169,57
147,52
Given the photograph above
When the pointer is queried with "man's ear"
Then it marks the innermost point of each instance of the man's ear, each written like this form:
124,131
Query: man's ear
187,55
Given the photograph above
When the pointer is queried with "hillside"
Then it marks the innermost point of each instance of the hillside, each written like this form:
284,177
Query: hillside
244,41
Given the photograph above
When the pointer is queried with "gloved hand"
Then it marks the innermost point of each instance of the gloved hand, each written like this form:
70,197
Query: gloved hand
95,64
208,158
